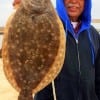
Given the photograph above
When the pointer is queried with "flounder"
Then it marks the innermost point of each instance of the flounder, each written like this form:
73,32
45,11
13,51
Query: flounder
33,48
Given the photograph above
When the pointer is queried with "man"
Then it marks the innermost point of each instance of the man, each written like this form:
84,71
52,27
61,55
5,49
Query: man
79,78
81,70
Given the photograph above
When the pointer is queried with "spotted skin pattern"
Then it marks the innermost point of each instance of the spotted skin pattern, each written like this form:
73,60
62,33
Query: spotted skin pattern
33,47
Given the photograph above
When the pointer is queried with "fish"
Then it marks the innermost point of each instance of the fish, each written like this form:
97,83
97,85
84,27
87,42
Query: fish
33,47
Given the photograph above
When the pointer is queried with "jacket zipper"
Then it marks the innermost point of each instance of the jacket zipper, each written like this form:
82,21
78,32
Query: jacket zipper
78,66
78,57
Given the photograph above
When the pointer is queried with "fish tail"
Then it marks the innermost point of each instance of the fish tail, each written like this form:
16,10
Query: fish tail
25,95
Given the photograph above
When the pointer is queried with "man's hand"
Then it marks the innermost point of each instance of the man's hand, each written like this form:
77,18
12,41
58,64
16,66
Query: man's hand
16,2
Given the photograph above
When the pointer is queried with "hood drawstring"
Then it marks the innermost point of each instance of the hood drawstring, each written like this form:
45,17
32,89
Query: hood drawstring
92,47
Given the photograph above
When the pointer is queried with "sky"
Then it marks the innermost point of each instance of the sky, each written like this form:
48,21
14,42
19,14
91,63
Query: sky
6,9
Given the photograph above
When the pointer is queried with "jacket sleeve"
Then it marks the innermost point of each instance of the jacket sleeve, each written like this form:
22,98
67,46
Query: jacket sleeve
45,94
97,74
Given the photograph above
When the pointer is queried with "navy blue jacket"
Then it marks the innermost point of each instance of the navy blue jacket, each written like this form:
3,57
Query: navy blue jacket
79,78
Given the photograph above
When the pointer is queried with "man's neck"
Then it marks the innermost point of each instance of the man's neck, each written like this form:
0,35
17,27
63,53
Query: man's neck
76,25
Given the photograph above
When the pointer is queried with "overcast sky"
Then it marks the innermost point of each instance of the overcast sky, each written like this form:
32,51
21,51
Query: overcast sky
6,9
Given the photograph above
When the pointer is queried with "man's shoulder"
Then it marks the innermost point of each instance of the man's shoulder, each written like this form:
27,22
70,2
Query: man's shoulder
94,33
94,30
95,38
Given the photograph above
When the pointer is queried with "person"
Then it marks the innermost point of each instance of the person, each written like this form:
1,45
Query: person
79,78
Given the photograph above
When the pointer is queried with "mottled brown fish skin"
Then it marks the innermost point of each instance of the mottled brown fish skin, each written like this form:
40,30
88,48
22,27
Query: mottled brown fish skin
31,44
34,48
25,94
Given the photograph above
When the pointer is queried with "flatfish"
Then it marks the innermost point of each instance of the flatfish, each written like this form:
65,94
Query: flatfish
33,48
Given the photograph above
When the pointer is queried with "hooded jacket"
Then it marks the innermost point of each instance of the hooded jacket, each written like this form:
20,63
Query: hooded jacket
79,78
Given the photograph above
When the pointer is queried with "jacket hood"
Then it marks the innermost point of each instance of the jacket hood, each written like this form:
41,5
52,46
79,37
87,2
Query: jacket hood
85,16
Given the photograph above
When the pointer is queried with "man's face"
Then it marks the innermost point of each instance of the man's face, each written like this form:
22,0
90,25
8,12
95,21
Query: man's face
74,8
